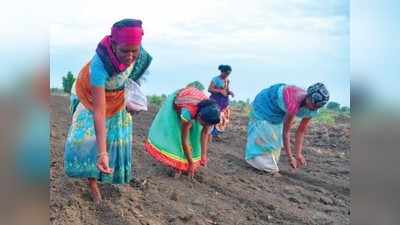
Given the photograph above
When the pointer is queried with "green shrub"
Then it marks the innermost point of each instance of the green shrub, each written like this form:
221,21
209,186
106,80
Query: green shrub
333,106
325,116
156,100
67,82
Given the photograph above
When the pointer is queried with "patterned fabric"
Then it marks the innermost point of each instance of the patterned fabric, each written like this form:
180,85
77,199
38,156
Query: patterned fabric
109,59
164,142
100,78
220,127
99,75
273,103
142,62
265,127
293,98
94,74
189,98
319,94
266,104
115,100
222,101
80,156
263,137
112,64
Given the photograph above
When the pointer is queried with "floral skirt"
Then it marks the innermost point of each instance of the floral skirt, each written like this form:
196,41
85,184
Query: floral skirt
264,144
80,155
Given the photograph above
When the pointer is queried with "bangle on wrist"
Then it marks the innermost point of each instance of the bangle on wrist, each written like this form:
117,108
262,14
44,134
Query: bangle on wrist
102,154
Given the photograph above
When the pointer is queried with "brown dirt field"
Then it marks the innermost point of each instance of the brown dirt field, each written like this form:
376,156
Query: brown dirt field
227,192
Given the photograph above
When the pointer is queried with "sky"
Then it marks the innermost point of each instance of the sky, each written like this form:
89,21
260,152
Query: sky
297,42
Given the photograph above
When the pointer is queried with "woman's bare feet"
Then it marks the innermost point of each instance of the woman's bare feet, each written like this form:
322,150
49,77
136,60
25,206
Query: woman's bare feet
178,173
204,162
276,174
94,191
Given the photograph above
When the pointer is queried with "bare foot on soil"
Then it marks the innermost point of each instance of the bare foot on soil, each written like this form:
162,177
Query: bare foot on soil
177,174
276,174
94,192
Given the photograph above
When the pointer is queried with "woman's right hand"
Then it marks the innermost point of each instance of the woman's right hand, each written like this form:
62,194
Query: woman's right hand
102,164
293,162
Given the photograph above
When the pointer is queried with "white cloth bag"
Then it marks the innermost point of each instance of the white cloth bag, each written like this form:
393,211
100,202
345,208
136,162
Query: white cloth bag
134,98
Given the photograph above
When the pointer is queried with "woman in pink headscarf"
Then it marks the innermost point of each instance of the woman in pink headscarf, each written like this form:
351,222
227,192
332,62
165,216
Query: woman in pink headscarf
99,142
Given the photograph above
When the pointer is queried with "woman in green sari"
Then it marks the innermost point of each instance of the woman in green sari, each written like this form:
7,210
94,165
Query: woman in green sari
178,136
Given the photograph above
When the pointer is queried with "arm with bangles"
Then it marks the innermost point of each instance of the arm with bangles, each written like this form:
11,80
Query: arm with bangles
99,117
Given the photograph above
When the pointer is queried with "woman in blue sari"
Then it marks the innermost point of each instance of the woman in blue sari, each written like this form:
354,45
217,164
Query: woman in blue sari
271,117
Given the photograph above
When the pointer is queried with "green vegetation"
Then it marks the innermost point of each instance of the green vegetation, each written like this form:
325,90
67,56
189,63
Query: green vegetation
241,106
68,81
333,106
326,116
156,100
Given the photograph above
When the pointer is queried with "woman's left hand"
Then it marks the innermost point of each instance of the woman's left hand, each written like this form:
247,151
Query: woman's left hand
232,94
301,161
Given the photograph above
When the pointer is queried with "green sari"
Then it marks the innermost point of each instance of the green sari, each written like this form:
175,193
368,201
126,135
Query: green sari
164,142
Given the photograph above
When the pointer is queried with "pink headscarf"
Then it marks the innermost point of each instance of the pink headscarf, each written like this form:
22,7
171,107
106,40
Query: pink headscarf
127,35
126,31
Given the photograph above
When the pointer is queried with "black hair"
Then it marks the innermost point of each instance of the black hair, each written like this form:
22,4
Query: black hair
224,68
209,111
